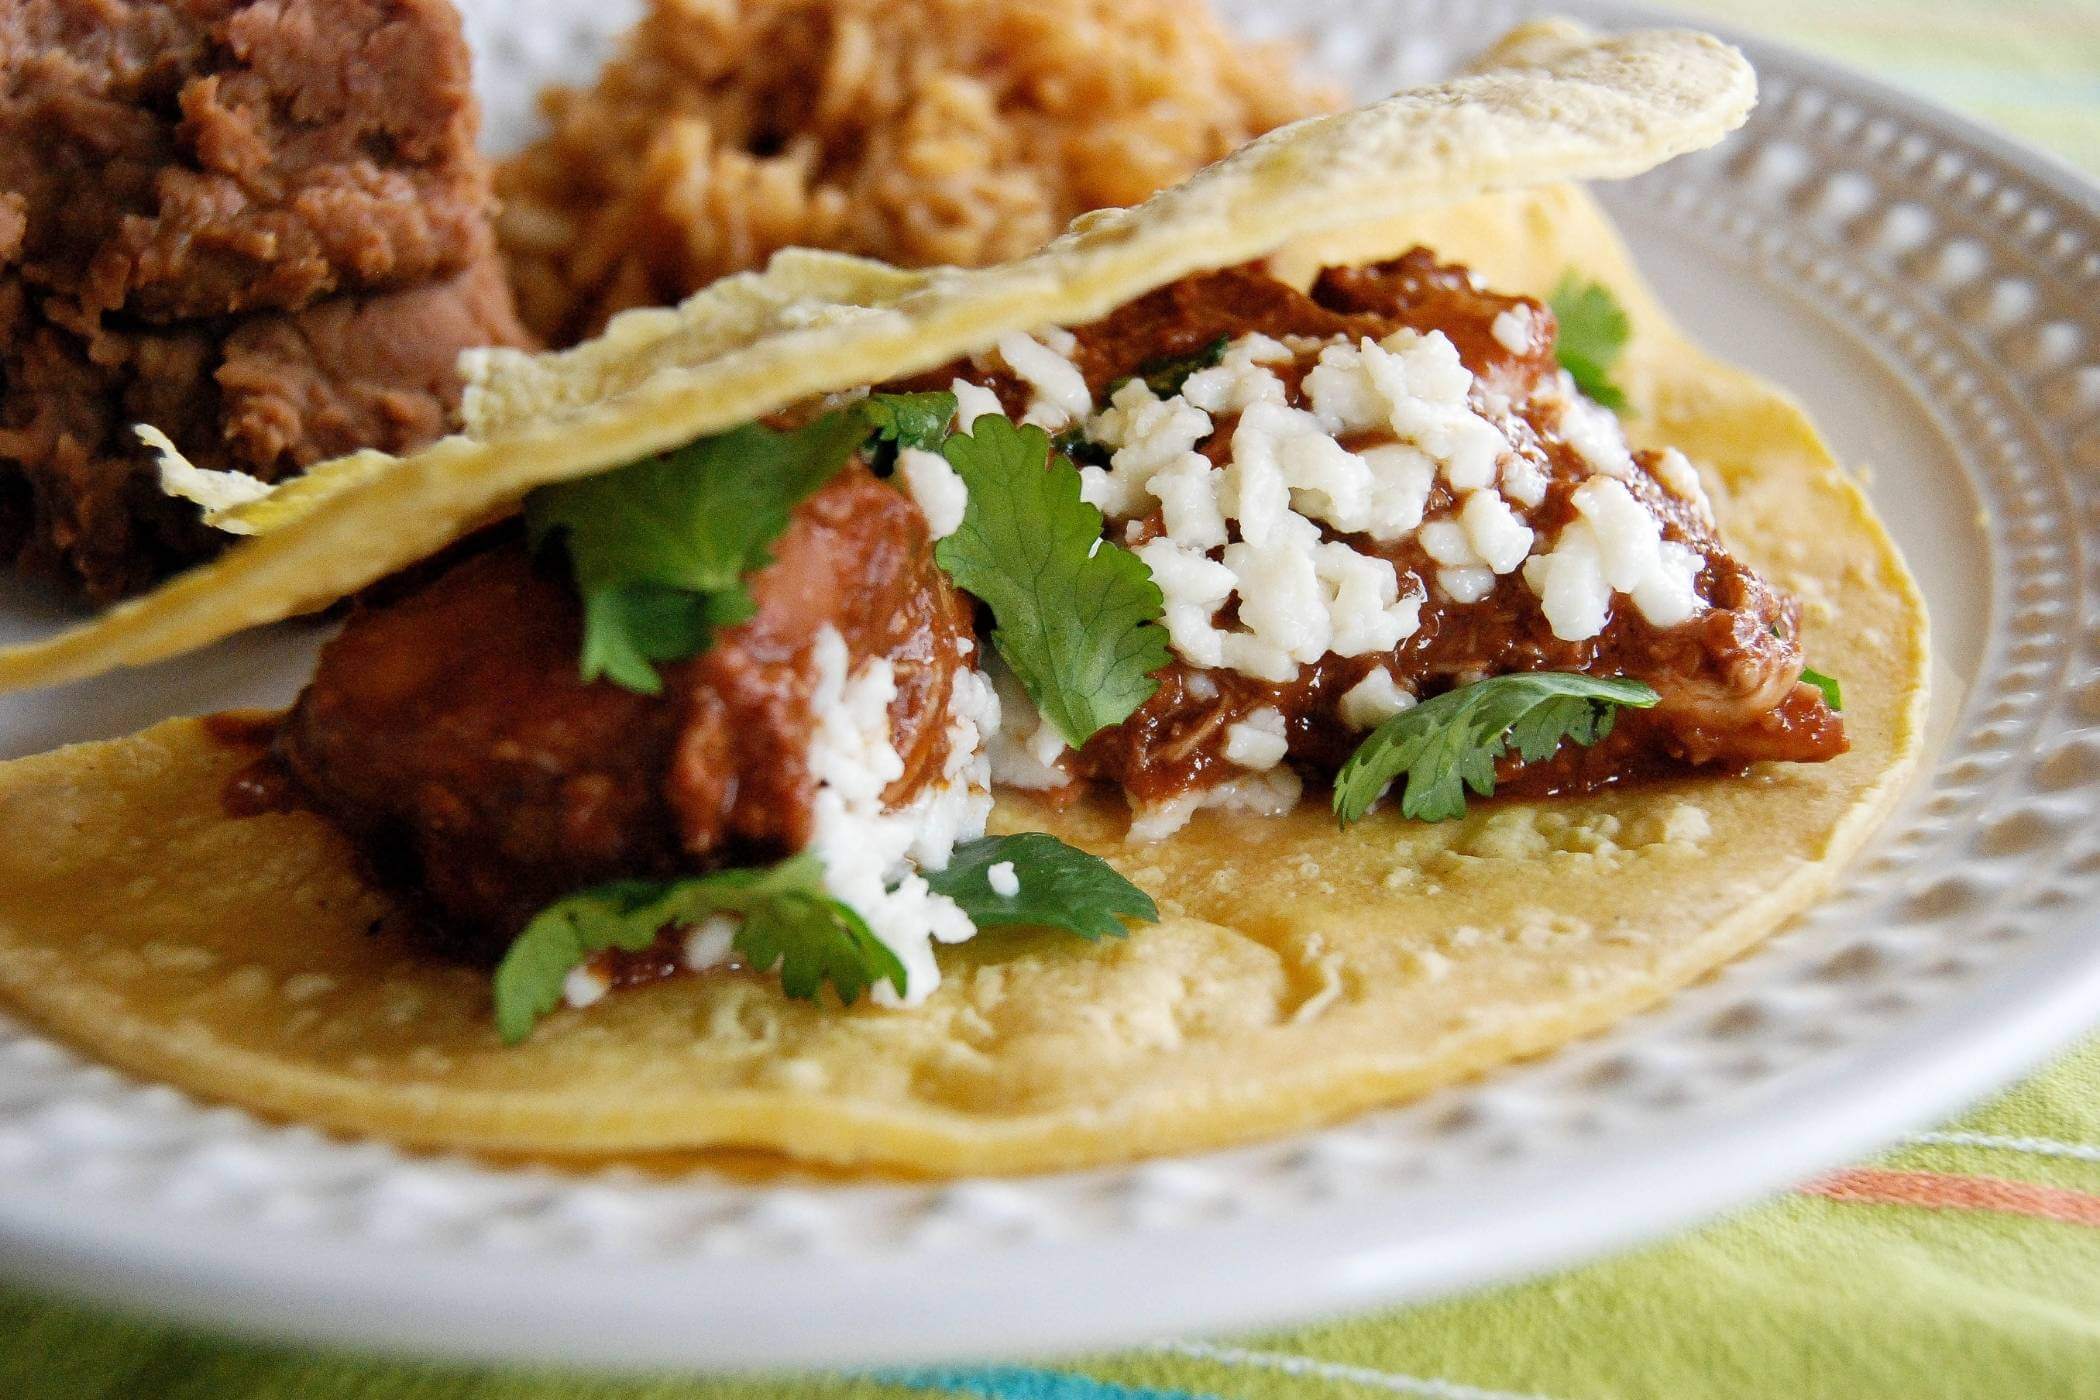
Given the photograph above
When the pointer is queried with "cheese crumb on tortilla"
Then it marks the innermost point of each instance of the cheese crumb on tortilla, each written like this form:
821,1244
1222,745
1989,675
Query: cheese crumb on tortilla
217,492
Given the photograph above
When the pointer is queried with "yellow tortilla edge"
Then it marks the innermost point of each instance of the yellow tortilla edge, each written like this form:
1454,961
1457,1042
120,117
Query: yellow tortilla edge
1552,102
944,1141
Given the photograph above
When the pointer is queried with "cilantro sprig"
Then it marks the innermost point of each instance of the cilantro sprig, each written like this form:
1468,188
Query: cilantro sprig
1450,743
1077,616
1057,886
1833,694
910,420
788,920
661,548
1594,330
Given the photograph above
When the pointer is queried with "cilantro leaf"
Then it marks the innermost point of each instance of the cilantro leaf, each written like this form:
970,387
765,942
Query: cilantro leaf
628,630
698,518
562,937
1833,695
1078,616
1594,330
692,522
1166,375
1060,887
813,939
789,921
910,420
1448,744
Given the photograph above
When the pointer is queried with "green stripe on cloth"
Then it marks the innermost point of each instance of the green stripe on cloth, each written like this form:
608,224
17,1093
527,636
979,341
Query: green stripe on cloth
1952,1268
2032,70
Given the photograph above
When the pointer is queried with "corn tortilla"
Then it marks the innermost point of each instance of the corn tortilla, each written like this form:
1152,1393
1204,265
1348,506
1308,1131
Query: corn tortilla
1553,101
1299,973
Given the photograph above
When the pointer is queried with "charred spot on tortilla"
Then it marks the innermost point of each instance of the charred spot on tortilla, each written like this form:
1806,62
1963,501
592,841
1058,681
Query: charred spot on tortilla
1139,529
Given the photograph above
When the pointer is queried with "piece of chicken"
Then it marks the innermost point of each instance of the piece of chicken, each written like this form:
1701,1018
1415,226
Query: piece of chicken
449,730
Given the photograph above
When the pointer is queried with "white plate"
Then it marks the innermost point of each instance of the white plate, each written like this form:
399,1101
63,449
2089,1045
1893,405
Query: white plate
1934,294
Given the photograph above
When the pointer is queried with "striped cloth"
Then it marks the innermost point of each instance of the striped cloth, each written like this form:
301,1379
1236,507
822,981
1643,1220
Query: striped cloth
1965,1263
2030,67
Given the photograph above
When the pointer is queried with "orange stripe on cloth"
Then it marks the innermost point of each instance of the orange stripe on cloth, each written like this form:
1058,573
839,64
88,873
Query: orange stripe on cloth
1947,1191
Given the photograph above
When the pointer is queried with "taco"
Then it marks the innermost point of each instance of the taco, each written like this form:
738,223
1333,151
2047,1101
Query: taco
991,721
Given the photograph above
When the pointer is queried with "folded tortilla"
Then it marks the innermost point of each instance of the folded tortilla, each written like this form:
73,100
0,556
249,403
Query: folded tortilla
1551,102
1299,974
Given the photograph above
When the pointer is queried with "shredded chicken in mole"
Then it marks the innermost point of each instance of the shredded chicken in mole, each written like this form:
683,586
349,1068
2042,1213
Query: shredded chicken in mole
448,730
1729,678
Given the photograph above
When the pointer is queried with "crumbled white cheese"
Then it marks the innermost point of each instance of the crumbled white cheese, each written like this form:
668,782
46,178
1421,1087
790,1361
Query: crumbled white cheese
1060,396
871,855
1627,535
1426,391
710,943
972,402
1676,472
1498,537
584,986
1146,435
1024,746
1257,740
1004,880
1325,480
1238,380
1446,542
937,489
1401,478
1593,432
1374,700
1367,609
1283,609
1341,393
1570,584
1194,587
1256,493
1669,594
1661,576
1267,794
1467,584
1256,534
1288,479
1524,478
1187,492
955,809
1614,544
1513,329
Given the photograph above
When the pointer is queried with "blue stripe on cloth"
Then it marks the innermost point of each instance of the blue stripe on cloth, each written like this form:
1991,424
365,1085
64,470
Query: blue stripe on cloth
1023,1383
